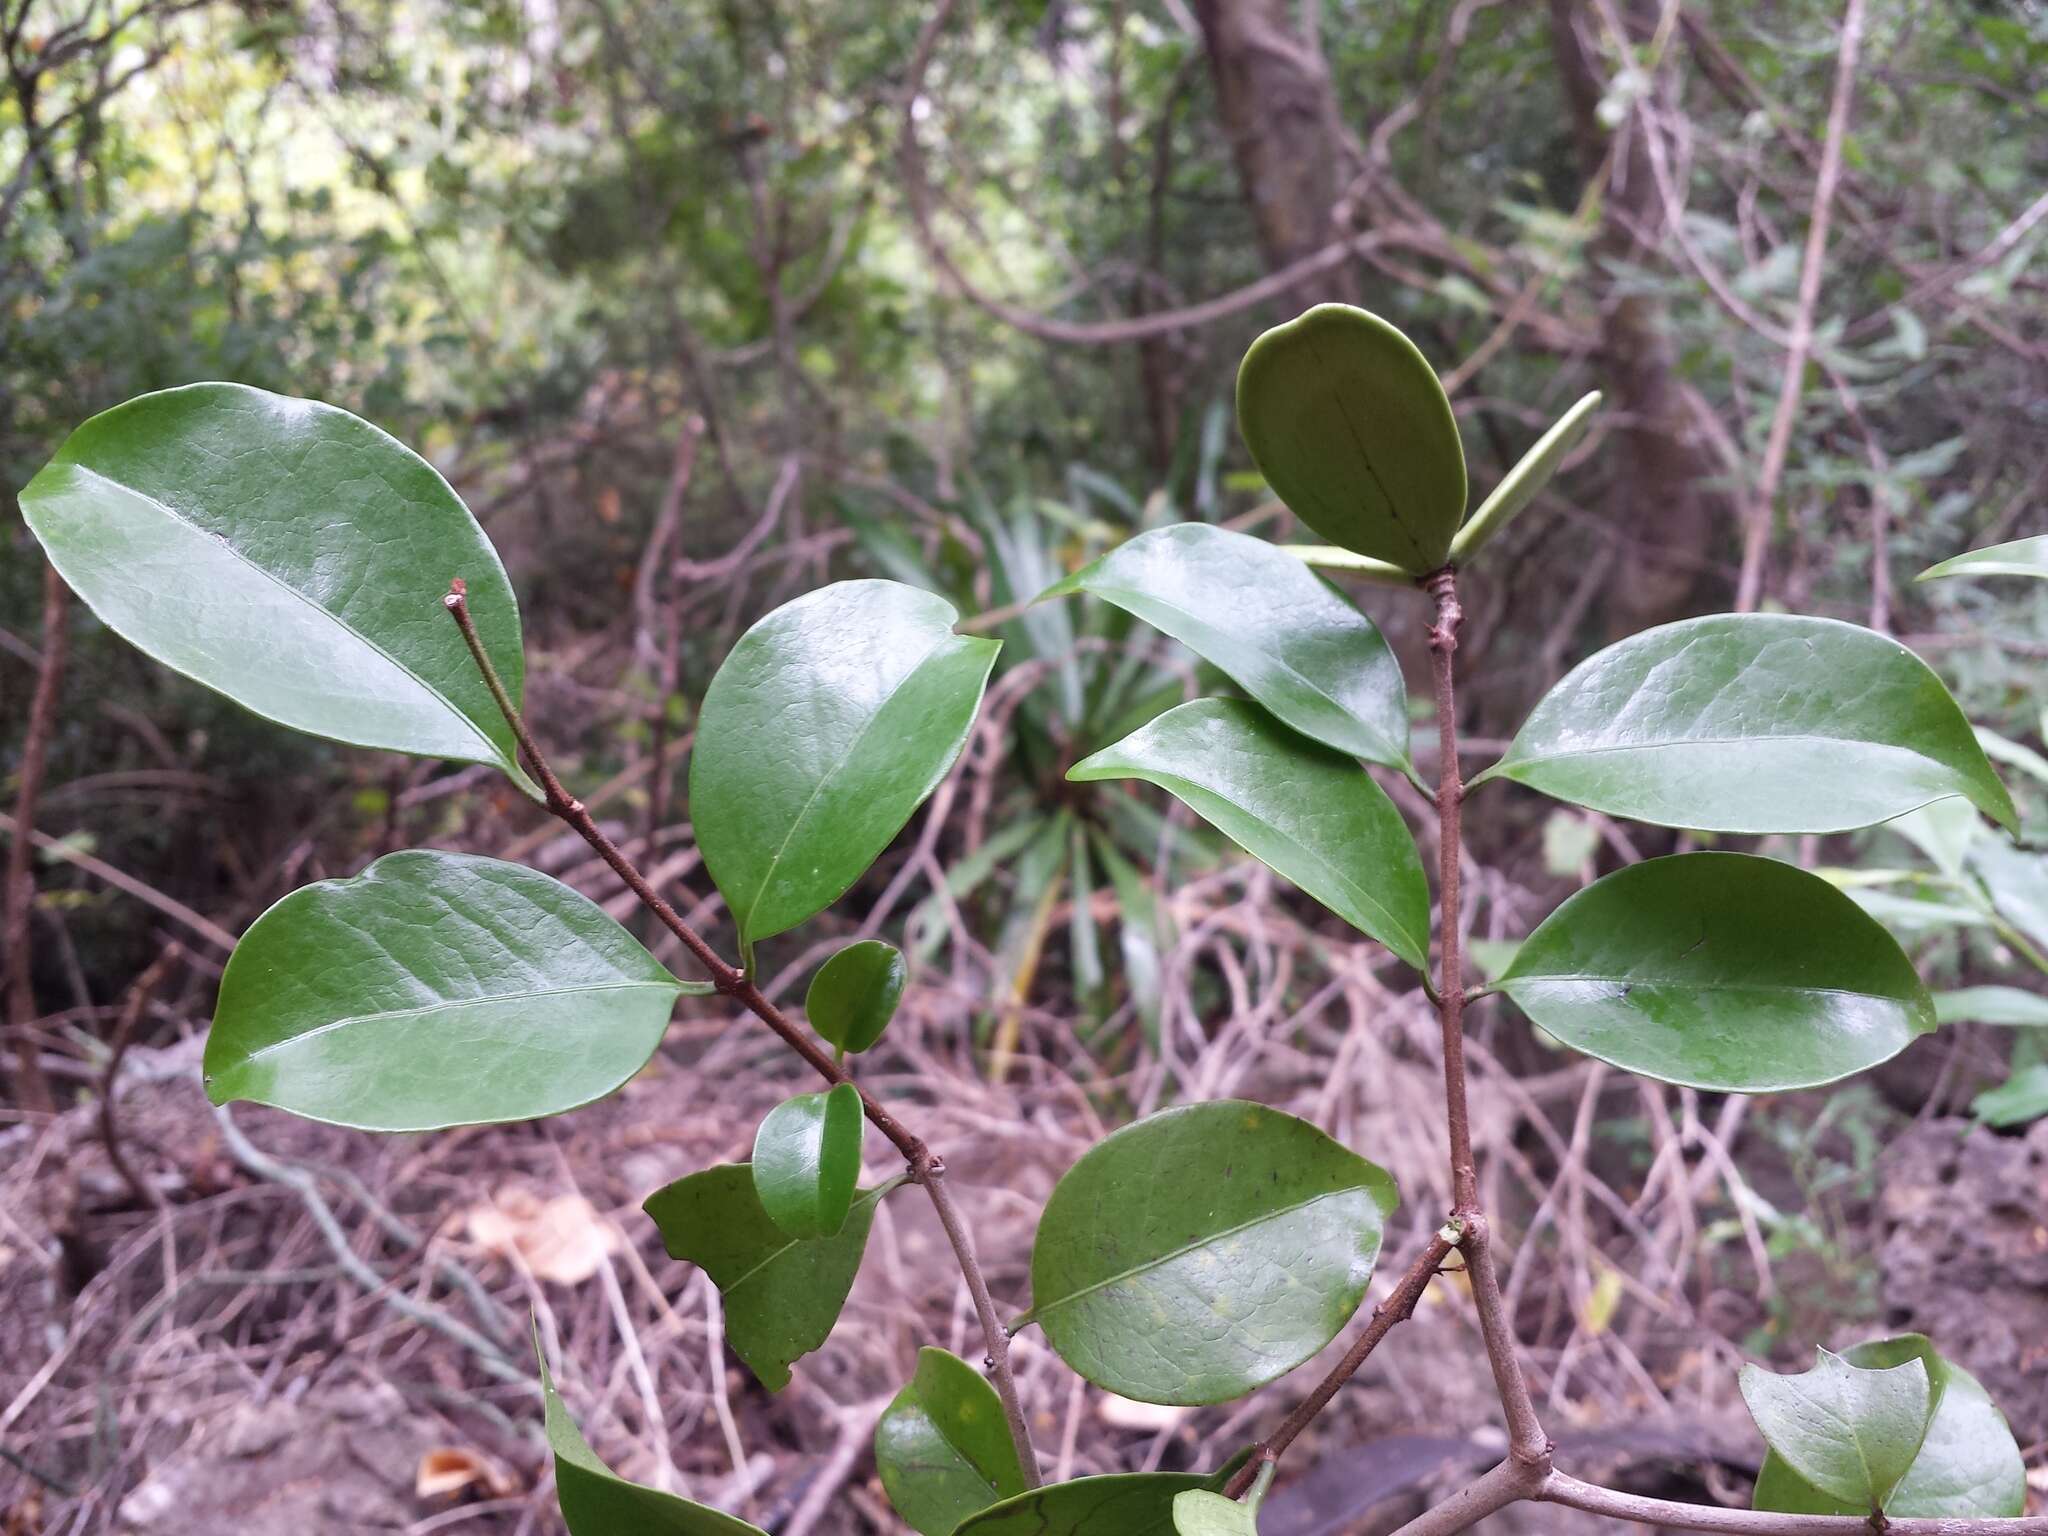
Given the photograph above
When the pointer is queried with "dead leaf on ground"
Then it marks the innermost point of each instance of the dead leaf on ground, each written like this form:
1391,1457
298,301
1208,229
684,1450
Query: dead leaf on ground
563,1240
450,1469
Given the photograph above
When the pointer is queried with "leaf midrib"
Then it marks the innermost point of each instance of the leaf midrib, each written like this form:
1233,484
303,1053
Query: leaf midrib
864,1197
1509,764
1506,984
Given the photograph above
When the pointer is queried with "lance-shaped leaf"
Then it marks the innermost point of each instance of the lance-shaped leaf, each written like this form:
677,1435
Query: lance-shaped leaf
1754,723
1723,971
598,1502
1351,428
1312,814
1126,1504
1283,634
1852,1433
1968,1466
1991,1005
782,1294
2022,557
807,1161
855,993
1204,1251
291,556
943,1446
435,989
829,723
1525,481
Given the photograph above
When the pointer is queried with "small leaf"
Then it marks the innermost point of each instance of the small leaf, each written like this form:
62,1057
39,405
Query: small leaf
854,995
807,1161
1991,1005
1327,557
2017,883
1199,1512
598,1502
1287,638
1205,1251
943,1447
290,556
1968,1467
1851,1433
782,1294
1722,971
1352,429
1313,815
1525,482
2019,1100
433,990
2022,557
1128,1504
828,725
1754,723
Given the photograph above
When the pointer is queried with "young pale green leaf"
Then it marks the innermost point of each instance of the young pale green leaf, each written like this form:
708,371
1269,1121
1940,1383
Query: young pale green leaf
2016,880
431,990
1991,1005
1204,1251
854,995
1352,429
2022,557
1127,1504
943,1447
782,1294
291,556
598,1502
1968,1466
1199,1512
1722,971
1525,482
828,725
807,1161
2020,1100
1850,1432
1754,723
1284,635
1310,813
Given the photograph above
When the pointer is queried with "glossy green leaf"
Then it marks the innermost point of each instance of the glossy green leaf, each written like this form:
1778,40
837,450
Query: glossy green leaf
1127,1504
854,995
598,1502
291,556
1352,429
1968,1466
807,1161
1850,1432
1312,814
1204,1251
943,1447
1754,723
1525,482
2022,557
1722,971
1282,634
1991,1005
2020,1100
828,725
782,1294
435,989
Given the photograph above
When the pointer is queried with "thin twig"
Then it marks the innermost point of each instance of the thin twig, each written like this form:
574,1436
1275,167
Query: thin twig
30,1086
1450,800
1559,1488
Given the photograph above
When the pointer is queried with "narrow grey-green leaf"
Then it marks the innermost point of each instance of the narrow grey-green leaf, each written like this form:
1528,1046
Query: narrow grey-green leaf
1352,429
828,725
1991,1005
290,556
1205,1251
855,993
1850,1432
1126,1504
1285,636
435,989
1723,971
2022,557
1525,482
1754,723
1313,815
943,1447
782,1294
807,1161
2016,880
1328,557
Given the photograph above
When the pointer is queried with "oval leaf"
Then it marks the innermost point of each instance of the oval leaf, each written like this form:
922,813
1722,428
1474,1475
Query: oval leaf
807,1161
854,995
782,1294
1204,1251
2022,557
1199,1512
1351,428
1852,1433
1723,971
1754,723
1282,634
1314,816
943,1448
1128,1504
1523,483
290,556
1969,1465
431,990
830,722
